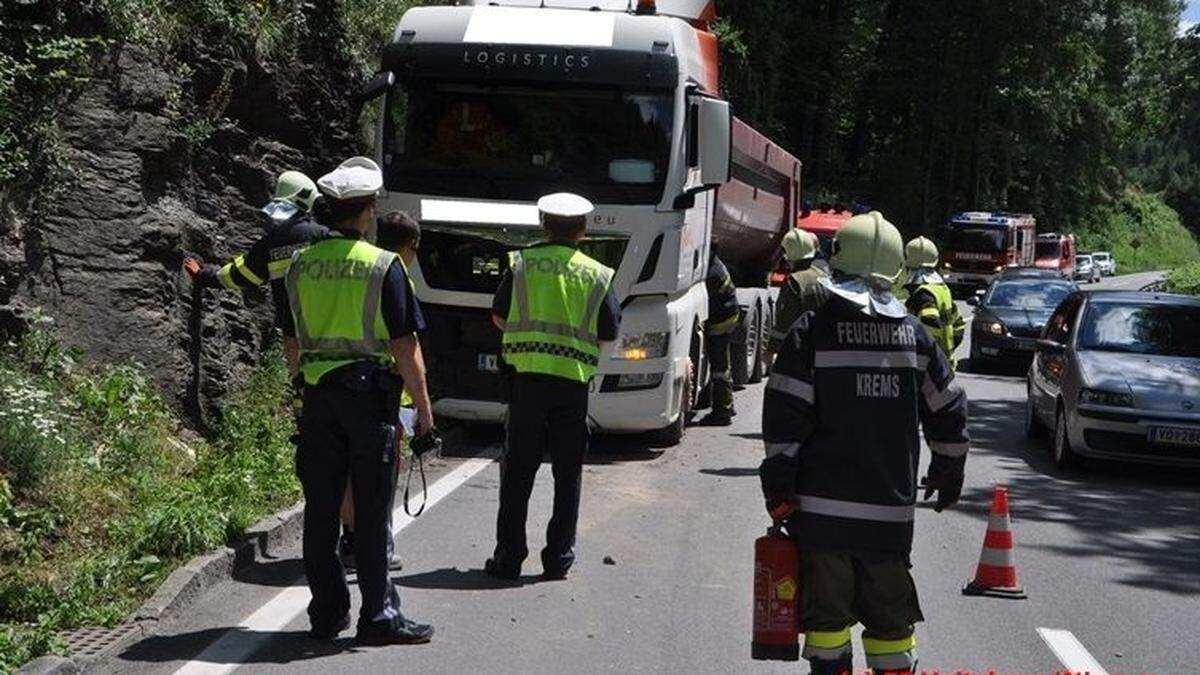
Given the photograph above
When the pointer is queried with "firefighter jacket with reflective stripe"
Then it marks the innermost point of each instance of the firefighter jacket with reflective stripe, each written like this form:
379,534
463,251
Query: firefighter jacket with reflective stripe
841,414
802,293
934,305
552,318
723,310
335,289
267,260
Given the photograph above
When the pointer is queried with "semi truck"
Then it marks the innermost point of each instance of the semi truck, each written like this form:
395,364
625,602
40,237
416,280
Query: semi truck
978,245
487,106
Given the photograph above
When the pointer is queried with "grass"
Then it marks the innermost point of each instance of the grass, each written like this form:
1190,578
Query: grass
99,497
1141,231
1185,280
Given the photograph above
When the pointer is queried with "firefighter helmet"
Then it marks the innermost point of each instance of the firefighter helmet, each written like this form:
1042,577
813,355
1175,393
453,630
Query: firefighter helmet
296,188
870,247
798,245
921,252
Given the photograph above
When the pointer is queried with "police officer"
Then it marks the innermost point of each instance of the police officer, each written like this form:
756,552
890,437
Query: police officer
353,330
556,308
289,227
803,292
853,382
929,298
723,317
399,233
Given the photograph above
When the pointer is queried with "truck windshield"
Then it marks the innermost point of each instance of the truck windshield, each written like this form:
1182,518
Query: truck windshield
1048,249
521,143
981,240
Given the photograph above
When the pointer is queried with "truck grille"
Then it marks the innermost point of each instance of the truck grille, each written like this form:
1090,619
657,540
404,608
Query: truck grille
454,340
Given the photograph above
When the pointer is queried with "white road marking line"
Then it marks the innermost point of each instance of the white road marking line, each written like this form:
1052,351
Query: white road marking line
1074,657
240,642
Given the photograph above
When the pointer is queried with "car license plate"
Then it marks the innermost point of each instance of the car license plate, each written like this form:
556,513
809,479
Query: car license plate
1175,436
1025,344
489,363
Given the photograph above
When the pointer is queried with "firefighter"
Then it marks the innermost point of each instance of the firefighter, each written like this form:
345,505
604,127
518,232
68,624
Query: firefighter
853,382
556,308
399,233
723,316
289,227
929,298
803,291
352,341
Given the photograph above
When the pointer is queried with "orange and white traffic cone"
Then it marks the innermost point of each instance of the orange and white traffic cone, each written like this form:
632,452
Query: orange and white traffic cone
996,575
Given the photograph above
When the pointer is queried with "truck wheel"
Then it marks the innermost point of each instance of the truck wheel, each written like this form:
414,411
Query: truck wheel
741,362
759,349
672,434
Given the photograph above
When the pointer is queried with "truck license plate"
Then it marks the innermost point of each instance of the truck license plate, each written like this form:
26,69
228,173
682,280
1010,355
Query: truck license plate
1175,436
489,363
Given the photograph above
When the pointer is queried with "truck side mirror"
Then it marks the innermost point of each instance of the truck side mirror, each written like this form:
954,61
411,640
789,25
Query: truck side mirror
376,86
714,146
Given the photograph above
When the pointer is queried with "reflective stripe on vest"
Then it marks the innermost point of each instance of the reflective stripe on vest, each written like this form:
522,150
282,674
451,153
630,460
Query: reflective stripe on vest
944,335
341,282
552,319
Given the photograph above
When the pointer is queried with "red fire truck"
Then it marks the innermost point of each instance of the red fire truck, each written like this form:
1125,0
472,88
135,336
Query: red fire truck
1056,252
978,245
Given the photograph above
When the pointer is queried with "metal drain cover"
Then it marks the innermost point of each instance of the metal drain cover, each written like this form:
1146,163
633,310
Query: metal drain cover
89,643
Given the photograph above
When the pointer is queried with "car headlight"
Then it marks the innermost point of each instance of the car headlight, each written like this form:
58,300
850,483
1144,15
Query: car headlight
999,268
994,327
641,346
1101,397
945,265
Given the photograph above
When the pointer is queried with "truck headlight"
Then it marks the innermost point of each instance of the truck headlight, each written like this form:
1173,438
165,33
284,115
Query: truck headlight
641,346
1101,397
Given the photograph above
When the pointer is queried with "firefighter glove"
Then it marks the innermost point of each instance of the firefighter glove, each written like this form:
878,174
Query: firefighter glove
946,478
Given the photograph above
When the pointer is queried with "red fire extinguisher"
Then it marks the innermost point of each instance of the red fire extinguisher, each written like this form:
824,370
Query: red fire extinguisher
776,598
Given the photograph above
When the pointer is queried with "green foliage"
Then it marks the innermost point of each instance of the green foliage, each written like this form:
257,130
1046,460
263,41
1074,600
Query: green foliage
369,25
100,500
1141,231
1185,280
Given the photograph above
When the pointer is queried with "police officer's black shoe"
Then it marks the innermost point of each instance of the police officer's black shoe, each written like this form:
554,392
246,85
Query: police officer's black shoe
331,631
398,631
717,418
499,570
555,573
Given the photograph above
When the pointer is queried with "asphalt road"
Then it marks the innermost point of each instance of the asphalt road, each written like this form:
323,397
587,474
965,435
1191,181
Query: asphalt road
1109,556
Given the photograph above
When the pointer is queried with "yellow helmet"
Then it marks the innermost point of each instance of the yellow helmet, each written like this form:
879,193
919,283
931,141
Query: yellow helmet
798,245
295,187
870,247
921,252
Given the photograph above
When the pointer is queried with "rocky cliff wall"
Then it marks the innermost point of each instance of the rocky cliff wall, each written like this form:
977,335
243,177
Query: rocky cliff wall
102,256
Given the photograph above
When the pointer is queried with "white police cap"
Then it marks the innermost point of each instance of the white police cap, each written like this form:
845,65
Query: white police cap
565,205
355,177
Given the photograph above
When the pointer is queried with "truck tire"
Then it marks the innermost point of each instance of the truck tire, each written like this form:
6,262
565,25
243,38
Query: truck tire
760,347
740,359
672,434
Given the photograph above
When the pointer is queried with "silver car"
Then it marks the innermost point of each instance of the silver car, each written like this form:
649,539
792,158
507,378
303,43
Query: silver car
1116,375
1086,269
1105,263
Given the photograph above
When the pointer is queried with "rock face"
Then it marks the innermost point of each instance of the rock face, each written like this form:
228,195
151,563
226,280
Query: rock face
102,257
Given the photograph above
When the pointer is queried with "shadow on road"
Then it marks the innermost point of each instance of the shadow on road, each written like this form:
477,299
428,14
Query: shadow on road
454,579
732,471
285,646
1144,516
278,572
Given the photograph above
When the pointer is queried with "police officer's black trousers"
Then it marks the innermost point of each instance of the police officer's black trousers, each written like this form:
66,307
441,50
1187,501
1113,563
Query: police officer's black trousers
545,414
344,432
717,350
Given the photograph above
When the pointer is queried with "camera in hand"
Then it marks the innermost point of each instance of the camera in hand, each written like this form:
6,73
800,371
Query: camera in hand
430,440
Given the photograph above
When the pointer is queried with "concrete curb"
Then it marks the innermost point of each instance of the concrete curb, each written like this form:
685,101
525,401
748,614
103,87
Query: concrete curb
187,583
49,665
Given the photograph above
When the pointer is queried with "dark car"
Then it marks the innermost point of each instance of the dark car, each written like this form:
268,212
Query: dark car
1117,376
1030,273
1009,317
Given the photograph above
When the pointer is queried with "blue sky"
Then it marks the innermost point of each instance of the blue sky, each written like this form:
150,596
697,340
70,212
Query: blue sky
1191,15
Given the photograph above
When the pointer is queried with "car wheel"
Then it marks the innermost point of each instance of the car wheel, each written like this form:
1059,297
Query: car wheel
1064,457
1033,426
